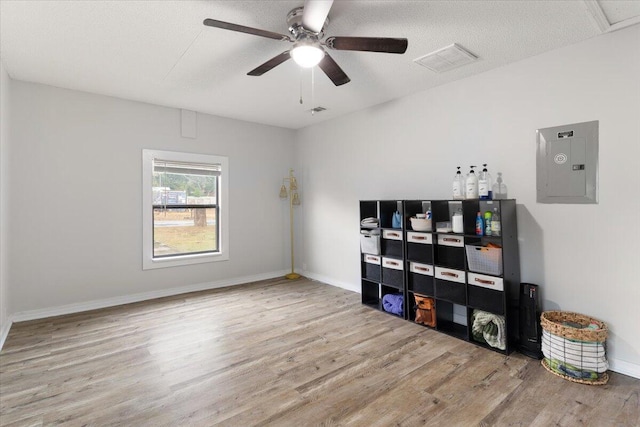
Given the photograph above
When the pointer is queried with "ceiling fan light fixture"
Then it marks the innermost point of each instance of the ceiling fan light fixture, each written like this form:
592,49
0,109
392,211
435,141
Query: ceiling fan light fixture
307,55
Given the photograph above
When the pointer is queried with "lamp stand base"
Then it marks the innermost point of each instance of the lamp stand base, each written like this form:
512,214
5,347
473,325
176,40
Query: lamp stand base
292,276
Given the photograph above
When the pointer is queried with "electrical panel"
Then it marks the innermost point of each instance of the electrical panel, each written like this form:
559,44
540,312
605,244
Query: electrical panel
567,163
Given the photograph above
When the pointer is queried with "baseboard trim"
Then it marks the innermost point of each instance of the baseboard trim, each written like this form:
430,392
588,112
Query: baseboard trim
4,333
624,368
331,281
127,299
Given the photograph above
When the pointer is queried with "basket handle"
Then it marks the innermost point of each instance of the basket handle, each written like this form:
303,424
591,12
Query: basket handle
449,239
391,263
446,273
421,268
485,282
418,238
393,235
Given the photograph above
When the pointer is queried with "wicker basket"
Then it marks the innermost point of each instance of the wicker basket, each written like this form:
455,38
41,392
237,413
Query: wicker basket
555,323
552,322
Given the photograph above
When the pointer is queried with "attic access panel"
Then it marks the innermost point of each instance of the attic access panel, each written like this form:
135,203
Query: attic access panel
567,163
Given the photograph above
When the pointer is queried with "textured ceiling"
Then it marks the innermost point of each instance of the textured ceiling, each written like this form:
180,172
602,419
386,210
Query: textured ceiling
160,52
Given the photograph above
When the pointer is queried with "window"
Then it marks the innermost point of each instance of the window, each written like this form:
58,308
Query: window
185,214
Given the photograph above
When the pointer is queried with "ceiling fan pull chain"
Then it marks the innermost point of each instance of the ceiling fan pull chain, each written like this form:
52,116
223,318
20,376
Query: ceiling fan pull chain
301,76
313,92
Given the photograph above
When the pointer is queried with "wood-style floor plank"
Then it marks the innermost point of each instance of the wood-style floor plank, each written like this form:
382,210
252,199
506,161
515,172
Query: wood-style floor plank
282,353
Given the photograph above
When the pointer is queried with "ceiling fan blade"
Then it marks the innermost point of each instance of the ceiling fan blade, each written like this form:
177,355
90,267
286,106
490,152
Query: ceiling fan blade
270,64
369,44
333,70
315,13
248,30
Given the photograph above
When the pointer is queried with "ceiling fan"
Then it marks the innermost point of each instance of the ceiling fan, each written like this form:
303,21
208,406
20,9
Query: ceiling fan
307,25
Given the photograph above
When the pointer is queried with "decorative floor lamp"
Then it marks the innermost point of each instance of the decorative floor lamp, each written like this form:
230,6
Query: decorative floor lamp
294,199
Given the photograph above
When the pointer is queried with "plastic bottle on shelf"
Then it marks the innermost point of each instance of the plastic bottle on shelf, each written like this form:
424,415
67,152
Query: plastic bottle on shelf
496,226
457,222
458,186
471,185
487,223
499,188
479,225
484,184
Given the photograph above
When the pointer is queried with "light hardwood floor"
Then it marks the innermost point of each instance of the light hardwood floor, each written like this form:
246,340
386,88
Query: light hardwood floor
280,353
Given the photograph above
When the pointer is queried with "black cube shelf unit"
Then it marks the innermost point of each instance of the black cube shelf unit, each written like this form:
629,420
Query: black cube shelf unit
444,265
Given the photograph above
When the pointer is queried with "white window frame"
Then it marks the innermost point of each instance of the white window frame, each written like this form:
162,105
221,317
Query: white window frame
148,260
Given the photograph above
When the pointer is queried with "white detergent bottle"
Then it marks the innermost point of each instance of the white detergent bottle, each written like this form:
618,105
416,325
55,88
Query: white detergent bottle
471,185
458,186
484,184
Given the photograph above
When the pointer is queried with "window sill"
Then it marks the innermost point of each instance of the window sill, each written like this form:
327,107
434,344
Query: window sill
180,260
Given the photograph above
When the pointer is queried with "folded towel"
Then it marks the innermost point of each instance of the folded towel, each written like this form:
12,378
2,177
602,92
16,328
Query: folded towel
370,222
570,370
581,354
490,327
393,303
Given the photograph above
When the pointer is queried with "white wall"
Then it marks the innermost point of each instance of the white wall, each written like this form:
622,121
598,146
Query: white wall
75,216
4,163
584,256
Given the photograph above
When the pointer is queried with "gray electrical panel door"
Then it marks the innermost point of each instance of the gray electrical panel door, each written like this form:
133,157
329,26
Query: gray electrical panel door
567,163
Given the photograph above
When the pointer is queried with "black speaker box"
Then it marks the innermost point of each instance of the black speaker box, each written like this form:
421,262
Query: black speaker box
530,329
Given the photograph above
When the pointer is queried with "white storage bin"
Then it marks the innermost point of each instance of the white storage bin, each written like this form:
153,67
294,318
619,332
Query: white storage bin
489,282
370,242
372,268
450,285
418,268
422,238
370,259
392,235
454,241
421,278
393,272
392,243
450,274
392,263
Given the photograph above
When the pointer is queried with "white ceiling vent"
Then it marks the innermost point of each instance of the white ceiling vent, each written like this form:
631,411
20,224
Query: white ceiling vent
446,59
